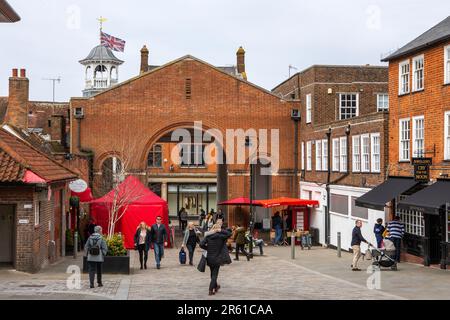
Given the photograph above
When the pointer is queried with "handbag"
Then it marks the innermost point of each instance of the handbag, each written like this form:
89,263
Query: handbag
202,264
182,256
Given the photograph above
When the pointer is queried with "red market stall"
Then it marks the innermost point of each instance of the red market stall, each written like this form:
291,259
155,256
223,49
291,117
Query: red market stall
142,205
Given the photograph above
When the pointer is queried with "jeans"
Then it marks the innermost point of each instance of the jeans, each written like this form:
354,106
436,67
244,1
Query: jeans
191,249
240,247
260,243
95,267
159,252
397,244
214,275
143,254
278,235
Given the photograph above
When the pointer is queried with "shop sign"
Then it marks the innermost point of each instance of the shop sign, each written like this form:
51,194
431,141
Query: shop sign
422,169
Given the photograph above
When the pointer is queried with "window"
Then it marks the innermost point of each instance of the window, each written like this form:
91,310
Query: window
339,203
37,213
382,102
356,154
308,156
343,160
188,89
308,108
319,155
324,155
375,163
365,153
447,135
418,74
413,221
336,166
359,212
447,65
405,137
303,156
404,77
155,157
192,155
349,105
418,137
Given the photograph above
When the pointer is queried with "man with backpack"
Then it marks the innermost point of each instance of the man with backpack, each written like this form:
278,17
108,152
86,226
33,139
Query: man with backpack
95,250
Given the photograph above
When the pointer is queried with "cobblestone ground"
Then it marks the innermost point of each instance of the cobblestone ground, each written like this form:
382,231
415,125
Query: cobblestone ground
262,278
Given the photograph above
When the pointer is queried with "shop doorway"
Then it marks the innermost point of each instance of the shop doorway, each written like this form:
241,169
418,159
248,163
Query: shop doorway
433,232
7,234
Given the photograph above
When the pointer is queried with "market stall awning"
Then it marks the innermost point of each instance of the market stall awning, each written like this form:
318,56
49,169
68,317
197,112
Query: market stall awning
288,202
429,200
240,202
385,192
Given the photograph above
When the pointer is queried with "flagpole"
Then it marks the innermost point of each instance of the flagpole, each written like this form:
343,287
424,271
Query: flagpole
101,20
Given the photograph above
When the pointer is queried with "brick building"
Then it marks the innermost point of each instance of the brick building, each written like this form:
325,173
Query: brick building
143,112
419,127
7,13
343,143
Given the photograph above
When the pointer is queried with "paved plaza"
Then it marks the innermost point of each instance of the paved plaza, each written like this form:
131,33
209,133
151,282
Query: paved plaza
314,274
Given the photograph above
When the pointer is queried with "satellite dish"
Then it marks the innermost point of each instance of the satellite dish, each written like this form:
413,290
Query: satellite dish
78,186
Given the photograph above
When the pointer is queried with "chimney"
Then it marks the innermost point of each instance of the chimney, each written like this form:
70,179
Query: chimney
144,59
240,54
17,111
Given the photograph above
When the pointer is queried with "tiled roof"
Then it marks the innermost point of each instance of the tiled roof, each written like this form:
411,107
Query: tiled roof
26,156
438,33
10,169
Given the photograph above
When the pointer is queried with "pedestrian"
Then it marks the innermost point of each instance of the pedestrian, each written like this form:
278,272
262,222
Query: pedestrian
379,229
278,226
91,227
95,250
396,230
216,254
202,217
180,225
357,238
257,242
184,219
219,216
159,239
240,243
190,241
142,243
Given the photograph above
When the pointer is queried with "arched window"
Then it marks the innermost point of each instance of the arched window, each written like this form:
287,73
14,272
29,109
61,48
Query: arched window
113,73
112,173
88,73
155,157
99,70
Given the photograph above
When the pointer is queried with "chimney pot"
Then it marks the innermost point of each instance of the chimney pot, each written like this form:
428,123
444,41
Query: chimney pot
240,55
15,73
23,73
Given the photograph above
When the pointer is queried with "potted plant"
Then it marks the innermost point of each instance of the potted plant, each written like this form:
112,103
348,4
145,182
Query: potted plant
117,260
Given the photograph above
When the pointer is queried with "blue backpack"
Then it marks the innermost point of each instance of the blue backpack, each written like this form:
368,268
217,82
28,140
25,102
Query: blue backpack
182,256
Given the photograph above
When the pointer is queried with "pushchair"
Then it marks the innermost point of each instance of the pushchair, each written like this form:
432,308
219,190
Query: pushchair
384,258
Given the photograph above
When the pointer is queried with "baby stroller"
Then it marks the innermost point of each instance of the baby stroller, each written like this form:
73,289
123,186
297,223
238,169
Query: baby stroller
385,258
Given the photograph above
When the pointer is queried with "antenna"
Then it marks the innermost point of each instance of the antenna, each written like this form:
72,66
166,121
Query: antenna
291,67
54,80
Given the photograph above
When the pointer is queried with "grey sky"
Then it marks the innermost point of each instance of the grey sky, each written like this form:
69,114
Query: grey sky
52,36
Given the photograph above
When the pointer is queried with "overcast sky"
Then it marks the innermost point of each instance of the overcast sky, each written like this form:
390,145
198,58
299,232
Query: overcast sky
54,34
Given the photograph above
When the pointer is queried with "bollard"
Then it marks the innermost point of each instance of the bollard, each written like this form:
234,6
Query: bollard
293,246
75,244
339,244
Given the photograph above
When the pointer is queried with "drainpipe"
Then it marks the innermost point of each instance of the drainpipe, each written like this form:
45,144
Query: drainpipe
327,213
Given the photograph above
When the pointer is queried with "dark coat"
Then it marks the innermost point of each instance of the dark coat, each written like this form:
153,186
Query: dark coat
217,251
158,235
357,237
148,239
240,236
379,229
277,222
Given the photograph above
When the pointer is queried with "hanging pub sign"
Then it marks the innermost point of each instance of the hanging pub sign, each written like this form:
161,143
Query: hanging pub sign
422,169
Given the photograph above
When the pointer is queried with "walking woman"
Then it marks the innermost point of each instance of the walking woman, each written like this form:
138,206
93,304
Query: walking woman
142,241
190,240
217,254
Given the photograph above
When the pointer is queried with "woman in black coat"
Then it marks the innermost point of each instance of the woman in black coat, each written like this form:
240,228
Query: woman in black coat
217,254
142,242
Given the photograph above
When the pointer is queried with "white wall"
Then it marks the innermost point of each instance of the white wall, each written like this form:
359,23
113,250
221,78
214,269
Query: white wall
339,222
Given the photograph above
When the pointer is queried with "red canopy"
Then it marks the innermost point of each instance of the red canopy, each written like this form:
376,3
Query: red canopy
143,205
287,202
85,196
240,202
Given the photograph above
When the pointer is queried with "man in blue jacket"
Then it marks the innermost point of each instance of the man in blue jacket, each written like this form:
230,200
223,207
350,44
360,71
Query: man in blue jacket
159,238
357,238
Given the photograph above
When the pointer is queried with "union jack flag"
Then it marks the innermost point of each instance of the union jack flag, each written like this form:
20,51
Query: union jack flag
113,43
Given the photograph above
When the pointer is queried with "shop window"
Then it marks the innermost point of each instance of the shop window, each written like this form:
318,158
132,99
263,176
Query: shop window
359,212
339,203
413,221
155,188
